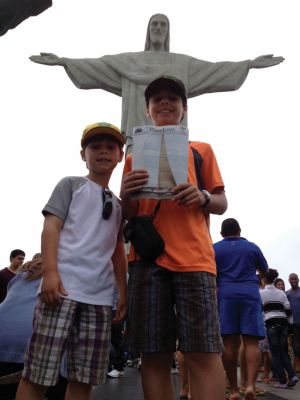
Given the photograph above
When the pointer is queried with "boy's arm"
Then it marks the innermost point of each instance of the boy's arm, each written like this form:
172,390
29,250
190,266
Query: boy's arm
119,260
217,204
52,287
188,194
132,182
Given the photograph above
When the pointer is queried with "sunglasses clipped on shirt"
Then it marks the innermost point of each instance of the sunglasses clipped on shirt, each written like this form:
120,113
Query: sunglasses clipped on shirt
107,203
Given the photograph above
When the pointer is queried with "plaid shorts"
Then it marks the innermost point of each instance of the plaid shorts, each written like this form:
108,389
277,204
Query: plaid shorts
165,307
81,330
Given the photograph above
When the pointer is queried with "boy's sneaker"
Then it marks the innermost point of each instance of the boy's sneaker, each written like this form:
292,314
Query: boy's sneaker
114,373
281,386
292,382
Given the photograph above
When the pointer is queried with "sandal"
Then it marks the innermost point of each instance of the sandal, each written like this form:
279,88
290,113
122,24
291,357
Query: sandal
258,392
249,396
234,396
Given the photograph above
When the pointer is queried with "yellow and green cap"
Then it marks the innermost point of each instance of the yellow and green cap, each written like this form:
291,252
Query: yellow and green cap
102,128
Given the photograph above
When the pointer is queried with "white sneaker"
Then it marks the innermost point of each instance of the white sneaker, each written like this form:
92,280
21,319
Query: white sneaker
115,373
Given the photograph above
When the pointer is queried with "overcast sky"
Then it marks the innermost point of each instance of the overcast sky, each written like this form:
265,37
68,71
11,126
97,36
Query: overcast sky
253,131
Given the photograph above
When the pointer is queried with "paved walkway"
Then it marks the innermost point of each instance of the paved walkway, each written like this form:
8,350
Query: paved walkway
289,394
129,388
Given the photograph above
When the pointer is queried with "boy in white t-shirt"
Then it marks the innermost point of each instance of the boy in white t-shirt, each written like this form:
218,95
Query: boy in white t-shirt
84,258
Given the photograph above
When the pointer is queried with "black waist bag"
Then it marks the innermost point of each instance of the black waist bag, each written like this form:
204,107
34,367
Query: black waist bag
143,236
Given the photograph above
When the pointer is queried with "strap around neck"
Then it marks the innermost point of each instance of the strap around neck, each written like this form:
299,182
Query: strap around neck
155,211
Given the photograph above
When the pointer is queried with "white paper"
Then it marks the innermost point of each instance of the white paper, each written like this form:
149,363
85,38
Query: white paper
163,152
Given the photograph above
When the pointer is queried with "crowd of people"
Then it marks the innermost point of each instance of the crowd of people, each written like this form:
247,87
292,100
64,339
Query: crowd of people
277,349
64,311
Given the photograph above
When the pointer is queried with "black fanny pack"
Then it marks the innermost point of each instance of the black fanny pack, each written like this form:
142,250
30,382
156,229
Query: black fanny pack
143,236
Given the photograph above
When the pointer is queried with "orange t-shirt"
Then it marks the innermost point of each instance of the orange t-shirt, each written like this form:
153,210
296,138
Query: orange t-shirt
188,245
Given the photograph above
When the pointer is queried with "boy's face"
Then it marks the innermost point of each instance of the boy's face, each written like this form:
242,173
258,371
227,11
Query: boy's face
102,155
166,108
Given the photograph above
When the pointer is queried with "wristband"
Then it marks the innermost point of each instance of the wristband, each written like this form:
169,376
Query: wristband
207,197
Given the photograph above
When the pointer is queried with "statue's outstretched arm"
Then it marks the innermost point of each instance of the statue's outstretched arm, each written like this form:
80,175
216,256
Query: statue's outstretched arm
47,59
265,61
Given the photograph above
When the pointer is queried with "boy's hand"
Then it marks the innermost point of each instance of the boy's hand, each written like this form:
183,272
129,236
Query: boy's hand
52,289
133,182
187,194
121,309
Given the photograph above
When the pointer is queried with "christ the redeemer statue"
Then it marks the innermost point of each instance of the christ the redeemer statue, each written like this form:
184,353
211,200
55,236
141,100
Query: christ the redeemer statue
128,74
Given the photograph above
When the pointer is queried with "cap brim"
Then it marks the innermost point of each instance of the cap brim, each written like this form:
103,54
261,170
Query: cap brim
165,83
97,131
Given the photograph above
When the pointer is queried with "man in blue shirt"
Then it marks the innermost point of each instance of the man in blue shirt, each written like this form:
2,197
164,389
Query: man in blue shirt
239,303
293,296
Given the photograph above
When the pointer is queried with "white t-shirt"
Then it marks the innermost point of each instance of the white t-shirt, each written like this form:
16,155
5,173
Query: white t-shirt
87,241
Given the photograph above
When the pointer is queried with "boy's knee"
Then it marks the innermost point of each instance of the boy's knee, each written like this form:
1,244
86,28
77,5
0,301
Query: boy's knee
28,390
79,387
203,359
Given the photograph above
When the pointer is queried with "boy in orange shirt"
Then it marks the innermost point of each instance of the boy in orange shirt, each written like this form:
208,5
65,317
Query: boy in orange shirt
174,297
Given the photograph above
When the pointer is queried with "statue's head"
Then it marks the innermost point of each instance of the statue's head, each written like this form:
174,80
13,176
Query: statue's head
158,32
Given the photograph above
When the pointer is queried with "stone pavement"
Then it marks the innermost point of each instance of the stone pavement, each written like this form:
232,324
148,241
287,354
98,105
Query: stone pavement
129,388
288,394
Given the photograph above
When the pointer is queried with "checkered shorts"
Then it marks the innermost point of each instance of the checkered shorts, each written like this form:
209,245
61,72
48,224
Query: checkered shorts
166,306
82,331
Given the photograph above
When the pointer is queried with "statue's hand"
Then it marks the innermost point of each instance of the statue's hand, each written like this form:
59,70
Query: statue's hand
47,59
265,61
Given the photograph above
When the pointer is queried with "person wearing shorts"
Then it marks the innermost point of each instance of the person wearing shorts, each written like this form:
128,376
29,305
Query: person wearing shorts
174,297
239,303
83,261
